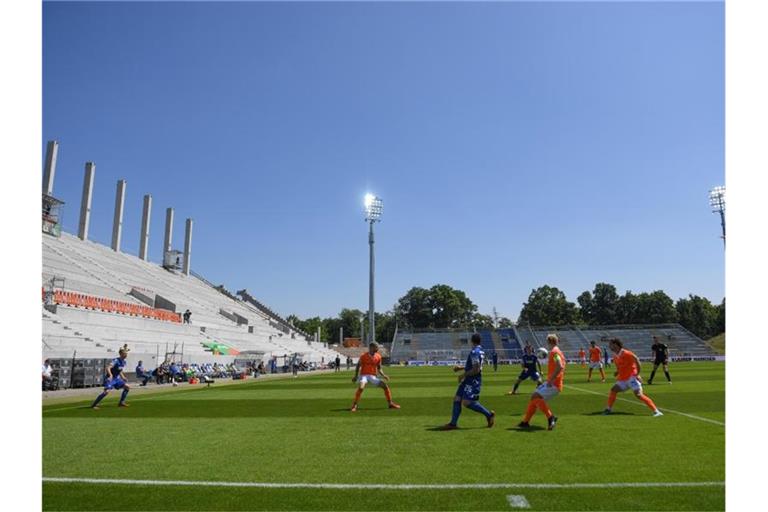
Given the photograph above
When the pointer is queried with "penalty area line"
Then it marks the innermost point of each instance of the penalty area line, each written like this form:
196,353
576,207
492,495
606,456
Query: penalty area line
663,409
299,485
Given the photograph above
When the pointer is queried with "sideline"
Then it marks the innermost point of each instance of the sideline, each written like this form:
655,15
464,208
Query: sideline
292,485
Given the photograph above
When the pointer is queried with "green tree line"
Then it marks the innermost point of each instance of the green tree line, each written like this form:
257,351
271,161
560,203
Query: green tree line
603,305
442,306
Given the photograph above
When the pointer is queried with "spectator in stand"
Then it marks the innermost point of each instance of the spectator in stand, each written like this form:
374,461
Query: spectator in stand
260,369
187,316
337,366
142,374
47,375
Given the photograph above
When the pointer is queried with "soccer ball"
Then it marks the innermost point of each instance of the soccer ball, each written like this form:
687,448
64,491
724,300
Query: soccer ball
542,353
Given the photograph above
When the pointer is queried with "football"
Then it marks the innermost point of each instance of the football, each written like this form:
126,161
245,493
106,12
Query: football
542,353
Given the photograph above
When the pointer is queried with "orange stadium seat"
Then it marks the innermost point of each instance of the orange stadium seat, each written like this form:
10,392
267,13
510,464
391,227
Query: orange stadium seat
111,306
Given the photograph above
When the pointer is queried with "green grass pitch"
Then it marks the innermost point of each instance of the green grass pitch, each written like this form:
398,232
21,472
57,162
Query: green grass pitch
300,431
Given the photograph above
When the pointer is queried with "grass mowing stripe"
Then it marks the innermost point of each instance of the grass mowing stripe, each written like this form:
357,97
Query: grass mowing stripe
300,485
664,409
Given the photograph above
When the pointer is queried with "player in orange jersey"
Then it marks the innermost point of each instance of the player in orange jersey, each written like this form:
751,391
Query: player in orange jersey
582,357
369,368
595,361
627,377
550,389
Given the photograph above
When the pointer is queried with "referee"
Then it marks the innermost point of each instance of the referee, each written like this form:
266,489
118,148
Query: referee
661,357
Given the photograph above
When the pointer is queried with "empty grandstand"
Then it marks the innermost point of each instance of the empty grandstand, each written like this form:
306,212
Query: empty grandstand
452,344
102,277
97,299
445,345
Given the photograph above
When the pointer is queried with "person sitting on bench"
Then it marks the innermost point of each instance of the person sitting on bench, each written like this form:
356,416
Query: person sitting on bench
142,374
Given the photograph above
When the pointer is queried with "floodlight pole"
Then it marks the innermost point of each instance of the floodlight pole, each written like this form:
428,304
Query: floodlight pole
371,319
717,201
722,223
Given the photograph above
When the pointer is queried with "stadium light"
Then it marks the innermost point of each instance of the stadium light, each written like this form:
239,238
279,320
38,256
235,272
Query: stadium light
717,202
373,209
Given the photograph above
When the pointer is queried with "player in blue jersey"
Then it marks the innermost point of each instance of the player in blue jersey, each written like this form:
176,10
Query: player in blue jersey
470,381
531,369
115,379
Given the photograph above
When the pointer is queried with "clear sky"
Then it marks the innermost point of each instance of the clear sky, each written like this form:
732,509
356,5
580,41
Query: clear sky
513,144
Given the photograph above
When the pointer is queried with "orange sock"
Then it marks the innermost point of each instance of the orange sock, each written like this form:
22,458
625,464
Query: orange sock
543,407
530,411
388,394
611,399
357,394
647,401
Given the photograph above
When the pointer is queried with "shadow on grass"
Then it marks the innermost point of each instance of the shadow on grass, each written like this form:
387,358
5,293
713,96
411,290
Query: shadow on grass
360,409
527,430
615,413
441,429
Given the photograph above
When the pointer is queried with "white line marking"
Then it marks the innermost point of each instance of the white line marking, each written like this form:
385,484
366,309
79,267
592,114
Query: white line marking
299,485
664,409
518,501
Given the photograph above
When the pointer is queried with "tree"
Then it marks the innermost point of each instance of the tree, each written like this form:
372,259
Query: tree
604,303
309,325
627,308
349,319
720,319
585,305
450,307
655,308
698,315
480,321
548,305
439,307
385,326
330,330
414,308
505,323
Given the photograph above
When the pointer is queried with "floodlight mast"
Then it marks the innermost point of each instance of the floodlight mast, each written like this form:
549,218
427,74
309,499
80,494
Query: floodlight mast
717,202
373,210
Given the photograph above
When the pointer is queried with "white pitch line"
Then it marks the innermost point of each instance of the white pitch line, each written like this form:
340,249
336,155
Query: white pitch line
299,485
664,409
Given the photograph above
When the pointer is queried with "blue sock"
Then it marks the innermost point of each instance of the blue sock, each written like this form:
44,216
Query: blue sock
456,412
99,399
125,394
475,406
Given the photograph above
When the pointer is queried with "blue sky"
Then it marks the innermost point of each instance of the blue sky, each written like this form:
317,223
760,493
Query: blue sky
513,144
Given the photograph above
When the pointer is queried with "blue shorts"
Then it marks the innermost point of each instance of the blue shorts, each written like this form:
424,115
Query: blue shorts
525,374
115,383
469,390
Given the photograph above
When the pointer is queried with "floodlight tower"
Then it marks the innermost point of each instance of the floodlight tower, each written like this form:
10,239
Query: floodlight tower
717,202
373,209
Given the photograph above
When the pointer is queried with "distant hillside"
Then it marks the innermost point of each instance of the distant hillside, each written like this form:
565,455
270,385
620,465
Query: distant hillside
717,343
